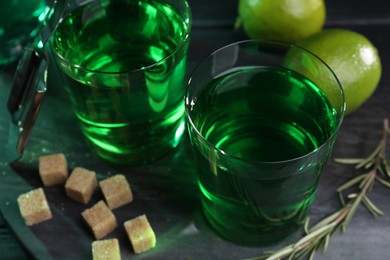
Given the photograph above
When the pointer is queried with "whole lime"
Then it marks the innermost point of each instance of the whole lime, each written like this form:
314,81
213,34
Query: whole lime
353,59
284,20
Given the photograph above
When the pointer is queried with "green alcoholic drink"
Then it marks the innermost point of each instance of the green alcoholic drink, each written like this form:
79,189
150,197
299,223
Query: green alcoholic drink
264,117
126,78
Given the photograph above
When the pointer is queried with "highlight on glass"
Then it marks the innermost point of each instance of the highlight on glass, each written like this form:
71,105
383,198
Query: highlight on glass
19,23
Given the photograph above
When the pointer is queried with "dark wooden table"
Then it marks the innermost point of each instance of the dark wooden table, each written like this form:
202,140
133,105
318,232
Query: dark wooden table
166,190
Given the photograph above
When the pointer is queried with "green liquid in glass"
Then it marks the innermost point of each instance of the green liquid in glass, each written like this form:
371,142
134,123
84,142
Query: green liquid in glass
261,114
133,112
19,20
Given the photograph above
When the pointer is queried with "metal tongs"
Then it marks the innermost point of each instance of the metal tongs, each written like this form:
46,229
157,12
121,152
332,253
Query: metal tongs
29,85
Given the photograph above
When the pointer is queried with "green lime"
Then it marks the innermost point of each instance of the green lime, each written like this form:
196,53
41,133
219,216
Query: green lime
353,59
283,20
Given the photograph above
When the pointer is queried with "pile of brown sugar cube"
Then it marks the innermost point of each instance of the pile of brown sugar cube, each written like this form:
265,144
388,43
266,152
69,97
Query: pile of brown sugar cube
99,219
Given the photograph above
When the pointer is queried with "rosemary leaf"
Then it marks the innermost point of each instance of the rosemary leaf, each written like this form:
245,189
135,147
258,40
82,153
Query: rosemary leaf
267,252
306,225
326,221
369,164
309,249
312,253
370,157
348,160
334,231
371,207
319,243
285,251
316,233
341,198
292,255
387,167
279,255
362,163
351,183
381,170
382,181
326,242
352,211
363,182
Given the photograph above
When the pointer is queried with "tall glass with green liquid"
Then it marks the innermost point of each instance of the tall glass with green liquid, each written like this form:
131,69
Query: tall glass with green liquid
124,64
262,118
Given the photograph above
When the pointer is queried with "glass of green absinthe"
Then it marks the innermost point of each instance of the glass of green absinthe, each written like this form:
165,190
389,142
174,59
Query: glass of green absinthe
263,117
124,68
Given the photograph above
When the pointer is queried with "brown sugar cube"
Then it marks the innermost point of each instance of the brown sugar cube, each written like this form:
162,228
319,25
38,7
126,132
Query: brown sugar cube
99,219
33,207
140,233
81,184
116,191
53,169
106,249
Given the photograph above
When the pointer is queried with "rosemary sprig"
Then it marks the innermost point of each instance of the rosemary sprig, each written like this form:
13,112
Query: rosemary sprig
377,170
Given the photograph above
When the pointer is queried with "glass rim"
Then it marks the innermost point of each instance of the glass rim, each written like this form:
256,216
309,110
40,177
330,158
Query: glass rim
340,115
187,15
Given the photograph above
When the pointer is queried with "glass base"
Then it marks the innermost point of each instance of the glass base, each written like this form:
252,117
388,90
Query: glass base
248,235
